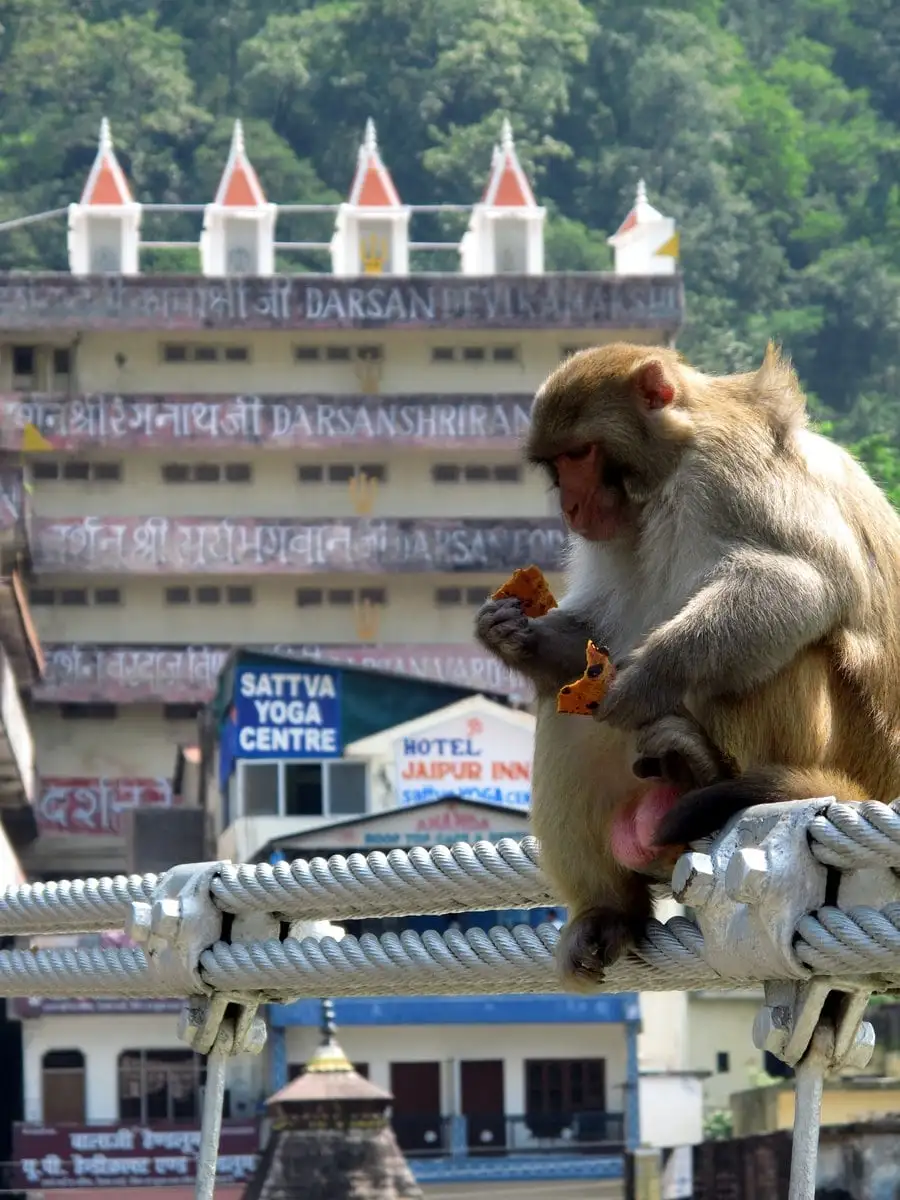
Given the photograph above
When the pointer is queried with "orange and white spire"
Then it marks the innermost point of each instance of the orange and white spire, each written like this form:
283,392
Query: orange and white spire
508,185
238,235
646,242
372,185
371,233
106,184
506,228
104,226
239,186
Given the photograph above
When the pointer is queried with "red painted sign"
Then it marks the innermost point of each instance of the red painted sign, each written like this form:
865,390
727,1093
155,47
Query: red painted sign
92,806
306,422
274,546
81,674
122,1156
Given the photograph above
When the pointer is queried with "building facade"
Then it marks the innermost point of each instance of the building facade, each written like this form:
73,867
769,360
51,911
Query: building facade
322,465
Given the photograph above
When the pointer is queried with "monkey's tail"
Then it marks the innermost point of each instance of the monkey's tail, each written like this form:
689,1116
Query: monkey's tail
706,810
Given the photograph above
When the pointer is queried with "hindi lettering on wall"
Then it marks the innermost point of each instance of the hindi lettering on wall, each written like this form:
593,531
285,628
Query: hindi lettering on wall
84,673
151,545
123,1156
575,301
307,422
92,806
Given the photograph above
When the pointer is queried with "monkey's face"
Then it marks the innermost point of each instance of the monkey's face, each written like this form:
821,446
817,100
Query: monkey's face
592,494
605,429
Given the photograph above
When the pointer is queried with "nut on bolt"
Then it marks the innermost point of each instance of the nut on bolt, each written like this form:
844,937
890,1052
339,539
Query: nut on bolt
771,1029
747,875
138,924
860,1053
693,879
165,919
256,1037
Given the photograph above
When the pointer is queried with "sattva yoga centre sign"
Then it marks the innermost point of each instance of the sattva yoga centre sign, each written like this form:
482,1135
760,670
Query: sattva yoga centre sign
288,713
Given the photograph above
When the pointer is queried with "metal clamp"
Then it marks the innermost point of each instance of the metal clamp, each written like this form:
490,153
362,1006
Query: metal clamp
749,892
181,921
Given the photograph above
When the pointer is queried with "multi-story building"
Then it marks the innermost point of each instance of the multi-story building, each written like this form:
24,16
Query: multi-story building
320,465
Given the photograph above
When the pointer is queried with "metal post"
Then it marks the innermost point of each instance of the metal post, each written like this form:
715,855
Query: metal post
211,1126
810,1080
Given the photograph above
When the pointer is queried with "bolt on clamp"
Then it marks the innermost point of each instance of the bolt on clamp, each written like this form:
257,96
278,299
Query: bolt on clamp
752,888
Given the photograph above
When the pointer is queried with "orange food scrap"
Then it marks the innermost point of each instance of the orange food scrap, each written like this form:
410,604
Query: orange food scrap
587,693
530,587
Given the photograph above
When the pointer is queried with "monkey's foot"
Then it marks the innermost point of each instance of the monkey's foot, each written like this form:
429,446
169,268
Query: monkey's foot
592,941
676,749
501,626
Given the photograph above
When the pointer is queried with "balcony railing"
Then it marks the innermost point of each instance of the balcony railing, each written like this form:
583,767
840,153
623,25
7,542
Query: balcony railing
497,1134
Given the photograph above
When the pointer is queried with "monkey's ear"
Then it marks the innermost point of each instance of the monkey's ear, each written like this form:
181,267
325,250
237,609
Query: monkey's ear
654,387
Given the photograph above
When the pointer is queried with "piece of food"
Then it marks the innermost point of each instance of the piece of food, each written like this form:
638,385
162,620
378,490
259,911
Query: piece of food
587,693
530,587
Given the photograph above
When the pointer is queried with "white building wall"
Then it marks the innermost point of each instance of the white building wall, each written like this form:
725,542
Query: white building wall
101,1039
450,1044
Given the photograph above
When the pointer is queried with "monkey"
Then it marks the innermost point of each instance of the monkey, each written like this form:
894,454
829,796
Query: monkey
744,572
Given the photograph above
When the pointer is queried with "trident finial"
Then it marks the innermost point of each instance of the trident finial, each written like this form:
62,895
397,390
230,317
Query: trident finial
641,192
237,137
328,1027
105,135
506,134
370,141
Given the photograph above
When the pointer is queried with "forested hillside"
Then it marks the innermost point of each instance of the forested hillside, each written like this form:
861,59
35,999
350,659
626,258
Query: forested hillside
770,129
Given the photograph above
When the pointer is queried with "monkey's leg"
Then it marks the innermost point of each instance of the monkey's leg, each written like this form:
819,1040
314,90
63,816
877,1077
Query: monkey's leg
549,650
596,937
677,749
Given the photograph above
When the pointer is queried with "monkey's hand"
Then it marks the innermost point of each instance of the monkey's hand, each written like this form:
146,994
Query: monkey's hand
639,695
547,650
502,627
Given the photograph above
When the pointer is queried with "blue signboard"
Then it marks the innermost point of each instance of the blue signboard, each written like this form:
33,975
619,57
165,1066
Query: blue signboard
288,713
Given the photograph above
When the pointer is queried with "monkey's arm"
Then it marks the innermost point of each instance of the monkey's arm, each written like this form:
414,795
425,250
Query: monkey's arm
747,623
548,650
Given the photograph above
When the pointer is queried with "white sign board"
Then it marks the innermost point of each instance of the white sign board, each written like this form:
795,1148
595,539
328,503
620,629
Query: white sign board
477,756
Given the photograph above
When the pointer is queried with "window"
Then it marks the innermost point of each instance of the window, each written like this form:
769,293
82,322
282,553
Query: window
24,362
240,594
203,352
62,361
108,472
339,354
475,354
41,597
43,468
339,597
568,351
204,472
76,471
562,1086
341,472
303,789
238,473
181,712
209,593
448,597
63,1087
310,474
73,597
88,712
476,473
723,1062
372,596
160,1085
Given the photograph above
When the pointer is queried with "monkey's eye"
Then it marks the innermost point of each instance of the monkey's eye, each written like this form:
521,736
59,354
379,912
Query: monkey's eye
579,452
